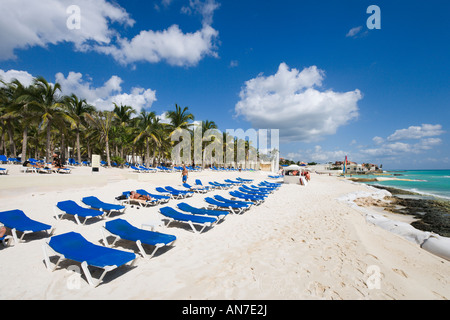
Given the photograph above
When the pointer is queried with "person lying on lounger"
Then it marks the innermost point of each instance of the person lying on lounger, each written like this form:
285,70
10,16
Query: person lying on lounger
2,231
57,164
138,196
32,164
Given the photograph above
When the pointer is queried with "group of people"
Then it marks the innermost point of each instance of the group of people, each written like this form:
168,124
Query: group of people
56,163
305,174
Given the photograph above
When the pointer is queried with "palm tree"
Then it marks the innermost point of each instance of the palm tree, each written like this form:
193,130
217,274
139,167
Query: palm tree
207,136
45,101
123,114
228,149
103,122
179,119
6,116
124,123
147,124
20,109
77,109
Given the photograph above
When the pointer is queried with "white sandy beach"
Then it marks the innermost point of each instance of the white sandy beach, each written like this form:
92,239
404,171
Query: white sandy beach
301,243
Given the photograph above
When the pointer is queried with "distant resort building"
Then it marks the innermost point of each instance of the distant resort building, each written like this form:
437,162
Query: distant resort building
354,168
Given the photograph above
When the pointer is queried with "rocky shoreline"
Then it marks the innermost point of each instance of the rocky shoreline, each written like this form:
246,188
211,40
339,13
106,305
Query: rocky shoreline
432,214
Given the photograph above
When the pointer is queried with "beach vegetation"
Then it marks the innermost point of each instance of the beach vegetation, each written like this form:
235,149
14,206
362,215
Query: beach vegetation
39,120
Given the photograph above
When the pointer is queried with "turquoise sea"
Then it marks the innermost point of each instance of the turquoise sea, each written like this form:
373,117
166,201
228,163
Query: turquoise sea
427,182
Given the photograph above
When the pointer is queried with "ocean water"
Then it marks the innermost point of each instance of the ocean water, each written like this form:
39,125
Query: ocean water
427,182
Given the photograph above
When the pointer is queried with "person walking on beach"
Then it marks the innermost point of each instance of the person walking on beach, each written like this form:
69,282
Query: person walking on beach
184,174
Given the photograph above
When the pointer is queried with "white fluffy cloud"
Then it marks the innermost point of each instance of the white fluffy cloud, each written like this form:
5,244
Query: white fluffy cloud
378,140
416,132
103,97
318,154
353,31
398,143
23,76
291,100
46,22
205,8
38,23
170,45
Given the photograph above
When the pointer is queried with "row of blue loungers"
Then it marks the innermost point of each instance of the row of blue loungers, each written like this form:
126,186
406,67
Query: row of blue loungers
73,246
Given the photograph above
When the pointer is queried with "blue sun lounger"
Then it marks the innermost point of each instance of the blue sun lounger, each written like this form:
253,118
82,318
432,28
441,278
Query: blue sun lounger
247,197
257,189
174,215
185,192
197,189
142,203
198,182
255,195
72,208
220,185
16,220
159,197
236,183
232,207
122,229
253,192
203,212
96,203
74,247
267,189
274,186
220,198
136,169
173,194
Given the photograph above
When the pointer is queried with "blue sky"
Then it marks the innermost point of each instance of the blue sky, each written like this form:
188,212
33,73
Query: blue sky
312,69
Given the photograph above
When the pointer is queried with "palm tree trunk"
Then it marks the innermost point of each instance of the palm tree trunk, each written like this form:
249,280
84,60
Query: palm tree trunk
2,141
24,144
47,155
12,145
108,160
78,147
147,153
63,149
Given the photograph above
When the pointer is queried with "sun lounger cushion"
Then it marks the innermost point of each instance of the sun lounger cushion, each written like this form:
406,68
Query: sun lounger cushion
127,231
174,214
156,196
71,207
225,204
94,202
16,219
188,208
246,196
74,247
220,198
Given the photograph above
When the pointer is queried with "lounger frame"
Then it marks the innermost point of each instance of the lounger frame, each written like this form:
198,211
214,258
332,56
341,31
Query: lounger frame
106,233
48,252
17,240
6,240
219,205
59,214
190,223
